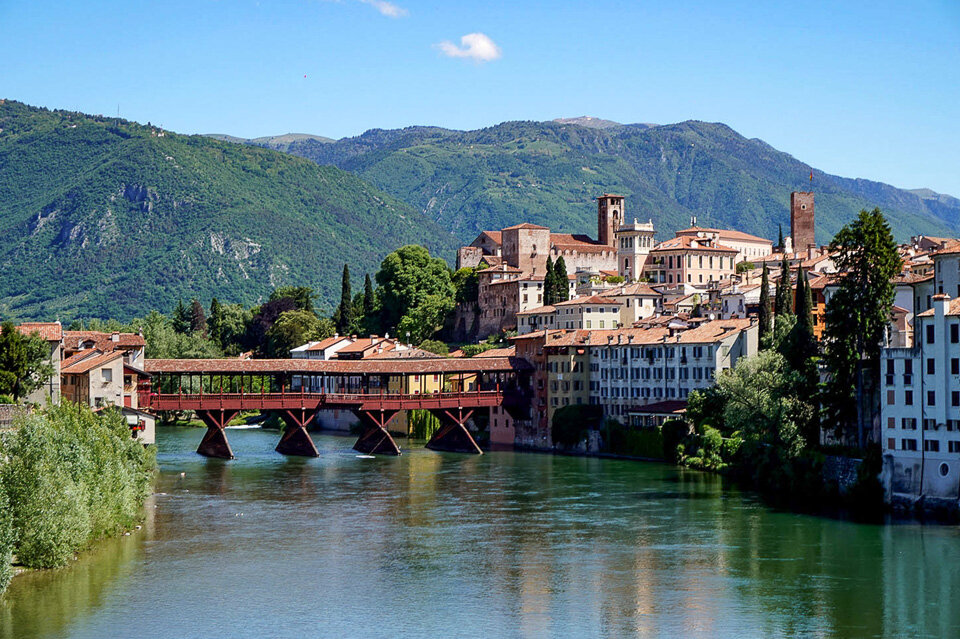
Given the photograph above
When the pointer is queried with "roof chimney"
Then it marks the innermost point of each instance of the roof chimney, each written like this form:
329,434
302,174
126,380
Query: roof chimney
115,337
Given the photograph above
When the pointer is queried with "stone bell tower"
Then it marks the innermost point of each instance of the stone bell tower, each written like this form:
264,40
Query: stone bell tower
609,218
801,220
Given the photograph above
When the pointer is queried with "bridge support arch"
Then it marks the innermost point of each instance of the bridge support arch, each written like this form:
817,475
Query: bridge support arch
374,437
214,442
295,439
453,436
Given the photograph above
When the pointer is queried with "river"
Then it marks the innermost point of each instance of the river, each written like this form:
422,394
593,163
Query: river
502,545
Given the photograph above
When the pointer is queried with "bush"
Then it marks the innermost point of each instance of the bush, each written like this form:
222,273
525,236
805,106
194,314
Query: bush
570,423
72,477
6,540
623,440
705,450
674,431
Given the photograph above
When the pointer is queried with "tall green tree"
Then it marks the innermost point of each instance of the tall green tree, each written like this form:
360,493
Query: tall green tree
343,317
295,328
302,296
801,351
24,362
407,277
784,290
780,244
764,314
215,322
181,318
549,284
198,319
856,319
369,299
561,282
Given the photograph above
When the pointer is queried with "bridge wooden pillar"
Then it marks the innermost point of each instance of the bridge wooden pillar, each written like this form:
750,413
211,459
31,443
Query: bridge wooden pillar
374,437
214,442
453,436
295,439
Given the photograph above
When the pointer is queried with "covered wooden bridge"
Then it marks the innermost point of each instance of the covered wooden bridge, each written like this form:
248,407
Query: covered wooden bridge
375,390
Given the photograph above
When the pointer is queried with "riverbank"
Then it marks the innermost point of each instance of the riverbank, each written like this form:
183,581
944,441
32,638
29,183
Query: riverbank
70,478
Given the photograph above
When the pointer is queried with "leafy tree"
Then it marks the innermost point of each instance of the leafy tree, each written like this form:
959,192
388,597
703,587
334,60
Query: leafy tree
706,406
764,315
181,318
198,320
571,423
24,362
7,540
856,319
549,283
294,328
762,401
800,349
343,317
165,343
435,346
302,296
425,319
264,317
561,284
407,277
467,285
743,267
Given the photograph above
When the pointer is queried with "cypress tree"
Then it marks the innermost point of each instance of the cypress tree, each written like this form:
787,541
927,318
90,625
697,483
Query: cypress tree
215,321
783,290
780,239
344,315
560,281
549,287
369,301
181,318
764,304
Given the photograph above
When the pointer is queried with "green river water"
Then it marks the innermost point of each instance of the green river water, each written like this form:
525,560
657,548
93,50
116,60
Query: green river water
503,545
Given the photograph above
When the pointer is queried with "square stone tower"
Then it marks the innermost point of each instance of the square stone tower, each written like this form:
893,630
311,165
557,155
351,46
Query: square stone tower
609,218
801,220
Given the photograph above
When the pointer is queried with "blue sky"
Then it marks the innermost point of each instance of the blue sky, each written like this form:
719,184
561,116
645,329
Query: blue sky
861,89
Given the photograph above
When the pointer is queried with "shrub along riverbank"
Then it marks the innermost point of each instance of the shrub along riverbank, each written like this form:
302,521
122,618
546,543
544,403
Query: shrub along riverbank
68,477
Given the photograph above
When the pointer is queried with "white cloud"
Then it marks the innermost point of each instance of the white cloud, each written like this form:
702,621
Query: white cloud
476,46
386,8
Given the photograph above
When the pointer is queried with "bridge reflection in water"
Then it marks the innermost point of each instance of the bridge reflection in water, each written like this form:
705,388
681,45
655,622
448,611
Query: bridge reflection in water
217,390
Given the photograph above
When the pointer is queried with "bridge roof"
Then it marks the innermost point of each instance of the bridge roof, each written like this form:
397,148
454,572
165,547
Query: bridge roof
335,367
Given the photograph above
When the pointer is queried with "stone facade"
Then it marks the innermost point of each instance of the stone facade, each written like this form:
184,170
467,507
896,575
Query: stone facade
802,220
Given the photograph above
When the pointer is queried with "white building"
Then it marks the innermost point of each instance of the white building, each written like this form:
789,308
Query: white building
920,408
638,302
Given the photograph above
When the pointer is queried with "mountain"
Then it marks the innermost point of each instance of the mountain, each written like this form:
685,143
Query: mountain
275,142
548,173
100,217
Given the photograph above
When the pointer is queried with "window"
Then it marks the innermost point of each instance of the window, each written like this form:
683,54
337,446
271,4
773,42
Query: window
908,398
931,366
954,333
944,469
908,444
931,398
955,398
954,446
955,366
931,446
107,374
930,338
891,398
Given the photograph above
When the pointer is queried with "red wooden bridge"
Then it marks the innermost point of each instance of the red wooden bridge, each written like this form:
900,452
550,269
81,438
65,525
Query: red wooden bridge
374,390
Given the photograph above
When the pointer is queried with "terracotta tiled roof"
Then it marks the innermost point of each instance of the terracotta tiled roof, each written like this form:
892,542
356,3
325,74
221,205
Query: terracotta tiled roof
366,343
540,310
953,308
685,242
725,234
952,247
500,268
582,243
526,225
50,331
708,332
668,407
89,363
404,353
496,236
637,288
324,344
334,366
912,278
102,341
498,352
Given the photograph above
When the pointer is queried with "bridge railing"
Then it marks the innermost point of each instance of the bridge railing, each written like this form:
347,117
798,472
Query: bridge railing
274,401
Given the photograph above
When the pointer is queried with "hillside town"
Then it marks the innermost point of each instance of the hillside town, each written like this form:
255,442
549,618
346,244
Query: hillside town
628,325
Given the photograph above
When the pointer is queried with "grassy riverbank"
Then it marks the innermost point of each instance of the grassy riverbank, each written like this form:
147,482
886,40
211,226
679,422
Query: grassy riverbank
68,477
